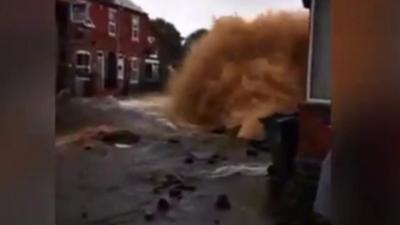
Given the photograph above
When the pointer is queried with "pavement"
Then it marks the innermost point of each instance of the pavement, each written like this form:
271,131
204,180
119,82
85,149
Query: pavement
171,176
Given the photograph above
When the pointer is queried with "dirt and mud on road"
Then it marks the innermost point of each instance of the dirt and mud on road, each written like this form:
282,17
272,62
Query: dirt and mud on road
123,162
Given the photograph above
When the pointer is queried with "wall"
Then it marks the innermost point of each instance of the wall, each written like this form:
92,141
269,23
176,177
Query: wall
96,39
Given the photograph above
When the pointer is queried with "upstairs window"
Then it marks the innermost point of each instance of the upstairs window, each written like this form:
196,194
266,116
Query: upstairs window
151,39
112,22
80,12
135,28
135,71
83,59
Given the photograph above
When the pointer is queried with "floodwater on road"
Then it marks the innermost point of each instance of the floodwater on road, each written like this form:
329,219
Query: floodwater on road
171,175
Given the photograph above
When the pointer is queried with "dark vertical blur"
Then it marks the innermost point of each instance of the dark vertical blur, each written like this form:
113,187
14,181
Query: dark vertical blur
27,71
366,111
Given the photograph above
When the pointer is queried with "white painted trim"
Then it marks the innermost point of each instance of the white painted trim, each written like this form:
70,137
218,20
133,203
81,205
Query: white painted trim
100,52
135,28
152,61
112,23
87,11
82,79
83,52
154,56
134,81
309,99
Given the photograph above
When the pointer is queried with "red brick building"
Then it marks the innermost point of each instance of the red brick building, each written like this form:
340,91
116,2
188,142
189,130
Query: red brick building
105,46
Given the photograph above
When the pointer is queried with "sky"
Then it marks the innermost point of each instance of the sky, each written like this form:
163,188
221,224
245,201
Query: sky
190,15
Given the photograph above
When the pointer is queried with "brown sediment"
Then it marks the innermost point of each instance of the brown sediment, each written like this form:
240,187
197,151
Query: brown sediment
242,71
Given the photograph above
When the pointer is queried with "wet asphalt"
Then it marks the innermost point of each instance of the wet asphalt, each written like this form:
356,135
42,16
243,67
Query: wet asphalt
169,177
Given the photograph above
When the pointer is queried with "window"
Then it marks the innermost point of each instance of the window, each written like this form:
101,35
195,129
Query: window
151,39
135,71
83,61
112,22
135,28
152,72
154,54
155,70
79,12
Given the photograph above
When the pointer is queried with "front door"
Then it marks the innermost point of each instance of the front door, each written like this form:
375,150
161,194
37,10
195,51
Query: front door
121,68
101,68
111,78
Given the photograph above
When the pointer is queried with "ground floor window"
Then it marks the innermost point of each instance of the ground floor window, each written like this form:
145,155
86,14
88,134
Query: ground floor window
83,61
135,71
152,72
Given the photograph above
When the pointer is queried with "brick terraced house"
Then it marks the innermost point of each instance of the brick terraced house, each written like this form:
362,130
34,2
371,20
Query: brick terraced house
105,47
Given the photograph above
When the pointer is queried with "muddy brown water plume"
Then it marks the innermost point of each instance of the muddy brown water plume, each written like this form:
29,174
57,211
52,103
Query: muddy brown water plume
242,71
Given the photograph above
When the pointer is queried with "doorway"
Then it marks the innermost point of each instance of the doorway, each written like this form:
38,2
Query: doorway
121,67
111,78
101,69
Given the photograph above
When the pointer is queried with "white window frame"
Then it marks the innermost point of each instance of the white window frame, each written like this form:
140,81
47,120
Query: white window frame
134,69
111,23
87,12
83,52
309,98
135,28
154,55
151,39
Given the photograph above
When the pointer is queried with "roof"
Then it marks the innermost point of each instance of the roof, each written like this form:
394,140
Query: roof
123,3
128,4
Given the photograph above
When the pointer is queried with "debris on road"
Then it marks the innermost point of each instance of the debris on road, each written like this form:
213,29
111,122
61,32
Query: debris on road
88,147
174,141
163,205
215,158
149,216
106,134
120,137
84,215
223,203
122,146
175,193
252,153
189,160
168,181
211,161
185,187
219,130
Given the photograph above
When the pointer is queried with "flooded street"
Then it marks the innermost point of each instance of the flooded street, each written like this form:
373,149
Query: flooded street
169,175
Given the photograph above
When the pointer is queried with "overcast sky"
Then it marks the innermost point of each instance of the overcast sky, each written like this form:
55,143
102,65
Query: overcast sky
189,15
